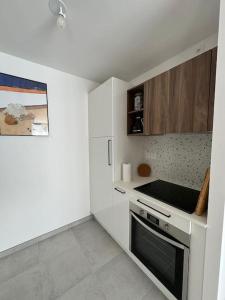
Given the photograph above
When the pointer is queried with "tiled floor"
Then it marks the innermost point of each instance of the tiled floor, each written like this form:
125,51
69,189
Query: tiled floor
79,264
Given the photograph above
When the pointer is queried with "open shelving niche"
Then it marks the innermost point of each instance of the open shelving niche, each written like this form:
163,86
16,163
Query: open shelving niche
131,112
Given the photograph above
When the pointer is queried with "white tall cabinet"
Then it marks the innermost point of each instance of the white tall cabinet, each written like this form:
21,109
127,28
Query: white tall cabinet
108,146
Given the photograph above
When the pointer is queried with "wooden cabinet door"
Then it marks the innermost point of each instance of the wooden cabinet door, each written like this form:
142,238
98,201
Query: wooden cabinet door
189,96
157,92
212,89
146,108
201,92
180,102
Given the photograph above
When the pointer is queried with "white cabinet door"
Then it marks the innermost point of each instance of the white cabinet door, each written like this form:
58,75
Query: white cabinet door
121,217
196,262
101,174
100,107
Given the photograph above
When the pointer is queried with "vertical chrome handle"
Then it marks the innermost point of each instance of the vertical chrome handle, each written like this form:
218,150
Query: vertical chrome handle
109,152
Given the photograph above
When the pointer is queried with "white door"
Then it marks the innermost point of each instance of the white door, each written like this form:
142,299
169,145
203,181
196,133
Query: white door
101,177
121,217
100,107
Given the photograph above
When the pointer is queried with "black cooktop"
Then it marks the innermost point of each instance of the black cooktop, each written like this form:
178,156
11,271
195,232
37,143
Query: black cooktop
172,194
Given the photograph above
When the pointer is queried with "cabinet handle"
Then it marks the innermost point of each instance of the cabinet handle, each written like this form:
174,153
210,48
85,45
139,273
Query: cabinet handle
109,152
120,191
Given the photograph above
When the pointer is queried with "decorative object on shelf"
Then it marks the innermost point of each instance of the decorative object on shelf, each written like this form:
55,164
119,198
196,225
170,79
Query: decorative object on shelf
138,101
138,125
23,106
126,172
203,197
58,9
144,170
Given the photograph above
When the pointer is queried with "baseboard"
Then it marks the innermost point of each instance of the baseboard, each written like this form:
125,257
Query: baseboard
44,237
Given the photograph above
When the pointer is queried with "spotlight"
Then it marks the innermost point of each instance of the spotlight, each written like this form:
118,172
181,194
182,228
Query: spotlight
58,9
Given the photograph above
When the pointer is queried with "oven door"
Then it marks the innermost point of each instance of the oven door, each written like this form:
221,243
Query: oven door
164,256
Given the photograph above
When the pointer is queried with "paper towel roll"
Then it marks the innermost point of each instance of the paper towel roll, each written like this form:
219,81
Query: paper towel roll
126,172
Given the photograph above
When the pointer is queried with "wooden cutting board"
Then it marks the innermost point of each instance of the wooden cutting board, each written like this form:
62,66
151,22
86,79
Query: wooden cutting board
203,196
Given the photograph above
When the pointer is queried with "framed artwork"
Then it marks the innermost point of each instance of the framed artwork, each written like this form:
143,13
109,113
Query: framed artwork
23,106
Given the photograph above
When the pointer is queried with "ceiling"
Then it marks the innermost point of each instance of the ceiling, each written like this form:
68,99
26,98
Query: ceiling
103,38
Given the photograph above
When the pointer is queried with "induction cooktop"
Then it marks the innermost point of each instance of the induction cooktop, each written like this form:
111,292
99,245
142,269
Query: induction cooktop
175,195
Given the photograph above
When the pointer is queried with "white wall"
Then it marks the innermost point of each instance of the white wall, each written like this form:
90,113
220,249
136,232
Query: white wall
214,280
44,181
221,291
197,49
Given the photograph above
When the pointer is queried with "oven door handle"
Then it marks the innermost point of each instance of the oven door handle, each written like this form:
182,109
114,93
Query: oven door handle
158,234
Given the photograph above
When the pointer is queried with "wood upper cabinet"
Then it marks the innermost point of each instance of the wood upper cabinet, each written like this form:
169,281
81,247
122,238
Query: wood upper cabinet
180,100
212,89
156,99
189,92
201,76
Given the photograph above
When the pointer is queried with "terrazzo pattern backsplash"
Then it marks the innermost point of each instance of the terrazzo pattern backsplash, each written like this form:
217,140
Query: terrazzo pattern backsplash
182,159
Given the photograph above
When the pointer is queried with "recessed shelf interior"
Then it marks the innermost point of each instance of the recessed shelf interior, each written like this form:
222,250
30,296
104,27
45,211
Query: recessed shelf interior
132,114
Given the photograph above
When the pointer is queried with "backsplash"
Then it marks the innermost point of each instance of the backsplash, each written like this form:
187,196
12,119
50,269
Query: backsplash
182,159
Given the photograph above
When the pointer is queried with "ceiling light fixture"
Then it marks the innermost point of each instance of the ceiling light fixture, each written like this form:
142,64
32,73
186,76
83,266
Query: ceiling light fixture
58,8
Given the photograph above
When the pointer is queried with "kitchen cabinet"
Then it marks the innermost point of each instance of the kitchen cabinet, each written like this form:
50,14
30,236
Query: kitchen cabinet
133,114
155,94
180,100
156,99
120,214
107,146
196,262
100,110
189,91
212,89
101,174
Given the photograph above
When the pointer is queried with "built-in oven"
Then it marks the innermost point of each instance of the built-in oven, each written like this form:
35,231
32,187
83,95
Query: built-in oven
162,248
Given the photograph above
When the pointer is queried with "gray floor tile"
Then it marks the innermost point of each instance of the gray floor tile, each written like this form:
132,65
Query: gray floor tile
29,285
122,279
98,246
18,262
154,294
79,264
87,289
66,270
56,245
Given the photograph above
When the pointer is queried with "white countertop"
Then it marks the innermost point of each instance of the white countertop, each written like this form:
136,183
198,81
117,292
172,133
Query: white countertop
129,188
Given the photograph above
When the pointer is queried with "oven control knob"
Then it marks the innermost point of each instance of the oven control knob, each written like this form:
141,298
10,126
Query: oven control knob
167,227
141,212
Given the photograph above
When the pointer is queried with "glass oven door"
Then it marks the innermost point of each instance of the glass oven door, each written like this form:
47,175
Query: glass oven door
164,256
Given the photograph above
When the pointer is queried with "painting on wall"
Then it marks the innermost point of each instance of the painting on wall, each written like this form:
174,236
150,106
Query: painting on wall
23,106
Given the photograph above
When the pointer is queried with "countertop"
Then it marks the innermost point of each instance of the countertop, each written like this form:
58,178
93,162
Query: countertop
129,188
